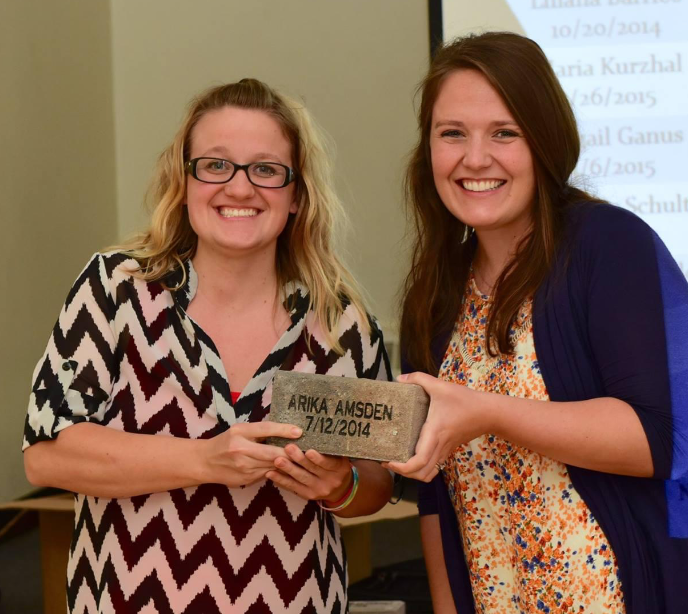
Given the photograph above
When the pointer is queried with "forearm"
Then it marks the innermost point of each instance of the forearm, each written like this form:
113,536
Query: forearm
440,590
96,460
374,490
603,434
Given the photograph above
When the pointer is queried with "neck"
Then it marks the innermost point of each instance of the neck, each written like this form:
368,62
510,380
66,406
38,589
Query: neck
235,283
494,251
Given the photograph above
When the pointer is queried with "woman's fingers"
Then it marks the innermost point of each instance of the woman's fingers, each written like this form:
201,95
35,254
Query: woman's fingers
316,463
263,455
311,475
236,457
415,467
420,379
284,480
299,466
291,476
297,456
328,463
261,430
418,471
421,466
296,471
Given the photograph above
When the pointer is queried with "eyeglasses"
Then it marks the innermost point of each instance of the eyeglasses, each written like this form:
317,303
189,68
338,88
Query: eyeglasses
260,174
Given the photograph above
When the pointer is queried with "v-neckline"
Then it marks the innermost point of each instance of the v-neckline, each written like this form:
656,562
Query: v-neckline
228,410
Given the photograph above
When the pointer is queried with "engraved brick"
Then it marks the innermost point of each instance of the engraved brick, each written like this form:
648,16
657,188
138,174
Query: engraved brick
344,416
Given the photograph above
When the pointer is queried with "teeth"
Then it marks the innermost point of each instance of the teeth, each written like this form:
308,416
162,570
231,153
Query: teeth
230,212
482,186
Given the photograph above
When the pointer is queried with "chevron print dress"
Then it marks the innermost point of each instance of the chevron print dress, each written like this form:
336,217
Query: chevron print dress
125,354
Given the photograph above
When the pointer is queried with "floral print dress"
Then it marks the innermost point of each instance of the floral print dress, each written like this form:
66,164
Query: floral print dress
531,543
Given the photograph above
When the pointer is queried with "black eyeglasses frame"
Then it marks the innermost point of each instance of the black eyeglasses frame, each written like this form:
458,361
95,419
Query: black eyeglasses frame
191,165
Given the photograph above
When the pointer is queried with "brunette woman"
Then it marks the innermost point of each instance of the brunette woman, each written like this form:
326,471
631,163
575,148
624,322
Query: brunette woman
551,332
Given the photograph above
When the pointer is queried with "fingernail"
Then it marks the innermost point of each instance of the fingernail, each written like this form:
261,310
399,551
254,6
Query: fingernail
296,431
402,378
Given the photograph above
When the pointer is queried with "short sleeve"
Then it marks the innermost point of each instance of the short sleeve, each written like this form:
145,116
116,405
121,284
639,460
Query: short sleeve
626,322
381,367
73,380
365,355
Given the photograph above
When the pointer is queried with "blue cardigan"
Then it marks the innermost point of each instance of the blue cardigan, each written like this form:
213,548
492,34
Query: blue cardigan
611,320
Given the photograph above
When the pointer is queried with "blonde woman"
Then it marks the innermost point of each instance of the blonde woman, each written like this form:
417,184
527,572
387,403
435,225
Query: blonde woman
152,399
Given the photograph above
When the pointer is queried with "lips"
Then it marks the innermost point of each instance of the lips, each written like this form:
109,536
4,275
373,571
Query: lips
481,185
235,212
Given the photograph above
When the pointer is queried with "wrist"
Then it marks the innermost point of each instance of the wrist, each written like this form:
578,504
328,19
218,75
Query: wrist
199,468
346,499
338,496
490,406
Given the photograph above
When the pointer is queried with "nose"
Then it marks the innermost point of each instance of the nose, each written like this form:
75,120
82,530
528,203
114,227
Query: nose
477,154
239,186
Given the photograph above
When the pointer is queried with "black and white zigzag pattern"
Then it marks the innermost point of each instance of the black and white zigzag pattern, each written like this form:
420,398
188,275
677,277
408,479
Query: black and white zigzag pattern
124,354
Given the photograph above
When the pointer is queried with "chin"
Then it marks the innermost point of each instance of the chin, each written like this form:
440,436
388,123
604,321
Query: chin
482,223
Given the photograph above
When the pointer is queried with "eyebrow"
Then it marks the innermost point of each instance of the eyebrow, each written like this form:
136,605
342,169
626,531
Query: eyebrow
260,156
459,124
215,150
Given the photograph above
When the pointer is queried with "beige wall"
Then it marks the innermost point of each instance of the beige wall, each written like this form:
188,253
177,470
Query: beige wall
57,202
93,90
462,17
354,63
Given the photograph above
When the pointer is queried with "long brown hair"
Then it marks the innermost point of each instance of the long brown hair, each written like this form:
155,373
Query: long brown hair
442,252
306,247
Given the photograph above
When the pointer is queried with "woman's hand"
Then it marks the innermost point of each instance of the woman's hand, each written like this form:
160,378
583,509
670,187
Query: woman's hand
457,415
237,458
312,475
603,434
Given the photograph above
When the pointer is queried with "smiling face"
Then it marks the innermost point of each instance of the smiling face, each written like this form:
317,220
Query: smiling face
482,165
238,218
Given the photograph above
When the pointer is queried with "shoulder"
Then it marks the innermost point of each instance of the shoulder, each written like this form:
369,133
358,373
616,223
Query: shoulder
359,337
111,277
353,328
116,265
120,267
98,273
356,325
99,279
601,232
364,323
353,323
600,223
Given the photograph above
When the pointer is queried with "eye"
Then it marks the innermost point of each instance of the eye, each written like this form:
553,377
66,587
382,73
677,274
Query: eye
451,134
213,165
506,134
264,169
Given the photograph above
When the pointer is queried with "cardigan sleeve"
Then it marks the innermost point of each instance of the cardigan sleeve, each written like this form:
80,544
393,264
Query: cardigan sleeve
675,305
626,321
427,498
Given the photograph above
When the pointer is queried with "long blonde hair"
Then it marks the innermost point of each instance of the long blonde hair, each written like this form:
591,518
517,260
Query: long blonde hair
305,249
